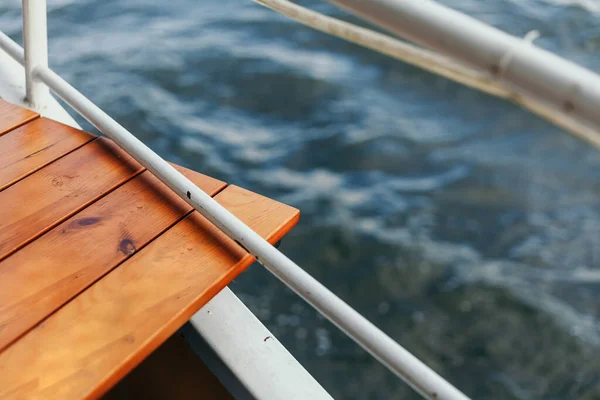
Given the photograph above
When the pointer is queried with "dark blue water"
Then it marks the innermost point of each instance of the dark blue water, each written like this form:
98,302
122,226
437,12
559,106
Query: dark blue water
463,226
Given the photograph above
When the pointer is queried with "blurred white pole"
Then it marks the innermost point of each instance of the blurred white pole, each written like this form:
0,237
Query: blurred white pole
35,43
436,63
547,77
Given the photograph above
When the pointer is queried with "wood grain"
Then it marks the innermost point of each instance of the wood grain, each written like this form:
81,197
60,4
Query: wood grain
95,339
34,145
12,116
39,202
172,372
44,275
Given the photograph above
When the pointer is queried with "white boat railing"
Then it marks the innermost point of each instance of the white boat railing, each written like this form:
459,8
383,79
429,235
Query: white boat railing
562,111
516,62
398,360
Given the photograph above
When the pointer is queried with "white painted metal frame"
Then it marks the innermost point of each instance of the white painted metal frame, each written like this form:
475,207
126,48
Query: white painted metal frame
12,89
253,354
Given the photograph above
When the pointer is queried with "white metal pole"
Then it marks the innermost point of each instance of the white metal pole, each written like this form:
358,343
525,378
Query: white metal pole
35,42
541,74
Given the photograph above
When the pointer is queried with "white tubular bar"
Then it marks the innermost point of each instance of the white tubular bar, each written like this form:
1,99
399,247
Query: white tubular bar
35,42
12,48
436,63
539,73
420,377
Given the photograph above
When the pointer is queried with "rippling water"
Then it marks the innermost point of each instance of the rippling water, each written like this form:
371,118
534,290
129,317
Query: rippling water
463,226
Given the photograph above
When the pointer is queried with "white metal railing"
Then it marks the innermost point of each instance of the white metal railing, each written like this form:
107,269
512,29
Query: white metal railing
415,373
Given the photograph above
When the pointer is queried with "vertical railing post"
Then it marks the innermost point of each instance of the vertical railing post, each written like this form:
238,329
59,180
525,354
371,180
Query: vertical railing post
35,44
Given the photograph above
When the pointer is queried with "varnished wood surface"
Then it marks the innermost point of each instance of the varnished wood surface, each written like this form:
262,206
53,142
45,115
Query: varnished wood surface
266,217
44,199
32,146
67,259
12,116
172,372
95,339
99,262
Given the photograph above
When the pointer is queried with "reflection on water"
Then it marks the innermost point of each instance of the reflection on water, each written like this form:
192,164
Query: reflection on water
464,227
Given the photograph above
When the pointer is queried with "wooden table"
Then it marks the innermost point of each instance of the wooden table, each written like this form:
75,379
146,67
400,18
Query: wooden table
99,261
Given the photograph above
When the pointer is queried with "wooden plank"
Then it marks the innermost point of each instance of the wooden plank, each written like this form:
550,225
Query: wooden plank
34,145
12,116
47,273
95,339
260,213
172,372
39,202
